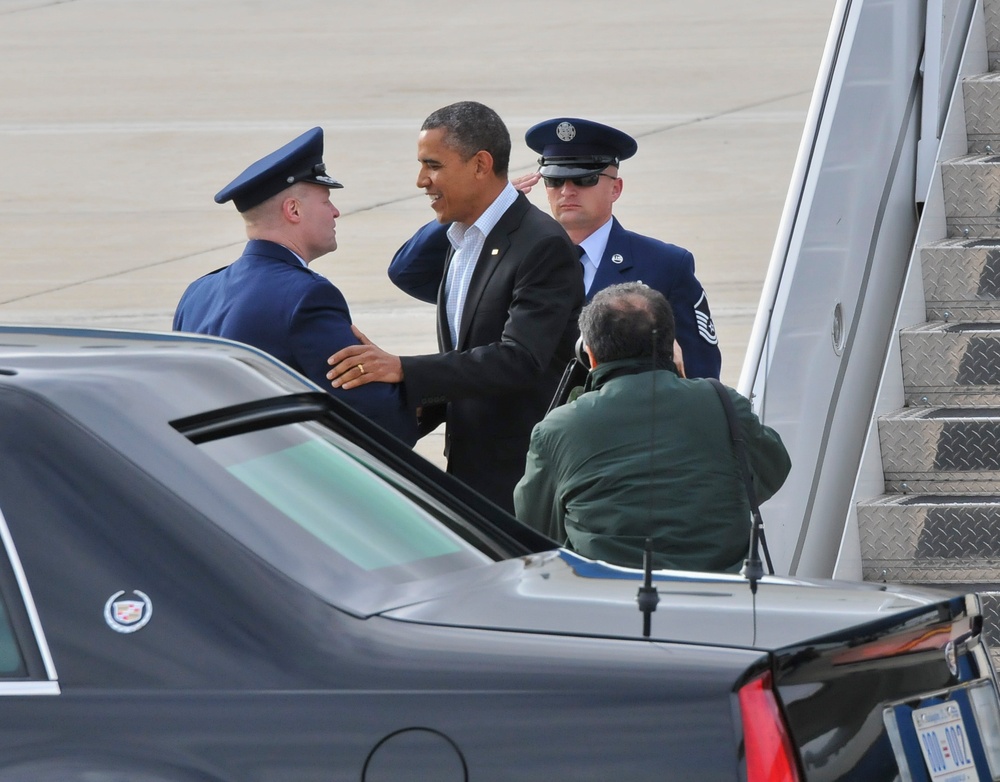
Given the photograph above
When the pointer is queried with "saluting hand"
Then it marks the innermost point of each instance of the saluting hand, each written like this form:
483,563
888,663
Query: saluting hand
525,182
357,365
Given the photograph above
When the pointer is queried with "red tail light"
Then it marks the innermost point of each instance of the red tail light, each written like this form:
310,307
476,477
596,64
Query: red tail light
769,753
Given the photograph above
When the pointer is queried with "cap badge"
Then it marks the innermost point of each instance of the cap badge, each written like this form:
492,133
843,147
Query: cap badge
617,258
127,616
565,131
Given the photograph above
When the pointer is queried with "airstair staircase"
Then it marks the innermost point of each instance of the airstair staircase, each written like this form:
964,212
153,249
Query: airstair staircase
938,521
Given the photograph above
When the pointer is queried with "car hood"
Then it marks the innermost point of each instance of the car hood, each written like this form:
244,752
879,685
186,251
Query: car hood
561,593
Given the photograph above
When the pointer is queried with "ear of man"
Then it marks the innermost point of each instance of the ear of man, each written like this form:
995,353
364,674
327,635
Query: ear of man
484,164
291,209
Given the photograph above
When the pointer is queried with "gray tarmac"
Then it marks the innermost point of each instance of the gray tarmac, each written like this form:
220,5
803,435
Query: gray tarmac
120,119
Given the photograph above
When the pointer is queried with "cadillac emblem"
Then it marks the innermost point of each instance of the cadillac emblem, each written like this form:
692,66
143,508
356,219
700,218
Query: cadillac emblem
127,616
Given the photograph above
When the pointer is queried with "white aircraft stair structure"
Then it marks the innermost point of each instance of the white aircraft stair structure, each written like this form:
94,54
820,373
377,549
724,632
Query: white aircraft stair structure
876,350
939,519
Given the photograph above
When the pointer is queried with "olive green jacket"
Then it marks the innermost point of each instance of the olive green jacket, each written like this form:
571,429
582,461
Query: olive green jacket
622,463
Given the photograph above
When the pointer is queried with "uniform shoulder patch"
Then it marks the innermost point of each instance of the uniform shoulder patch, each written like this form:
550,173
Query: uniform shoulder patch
703,317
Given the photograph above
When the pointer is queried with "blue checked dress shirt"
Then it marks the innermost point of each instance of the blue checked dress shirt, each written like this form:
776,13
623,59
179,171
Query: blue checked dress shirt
468,241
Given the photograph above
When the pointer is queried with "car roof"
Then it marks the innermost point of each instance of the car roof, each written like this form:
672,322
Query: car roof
174,375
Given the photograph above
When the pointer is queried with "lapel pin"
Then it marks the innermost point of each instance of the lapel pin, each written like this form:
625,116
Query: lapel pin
495,251
617,258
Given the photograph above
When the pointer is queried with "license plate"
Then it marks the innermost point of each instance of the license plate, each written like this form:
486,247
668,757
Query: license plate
944,743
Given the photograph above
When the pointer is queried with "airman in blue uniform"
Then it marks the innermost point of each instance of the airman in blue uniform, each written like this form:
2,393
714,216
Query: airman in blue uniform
269,297
579,163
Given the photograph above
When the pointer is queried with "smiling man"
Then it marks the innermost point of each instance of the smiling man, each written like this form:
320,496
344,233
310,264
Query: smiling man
579,164
508,291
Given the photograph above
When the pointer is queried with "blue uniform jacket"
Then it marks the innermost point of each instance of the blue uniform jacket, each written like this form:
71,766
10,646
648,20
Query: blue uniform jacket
418,265
268,299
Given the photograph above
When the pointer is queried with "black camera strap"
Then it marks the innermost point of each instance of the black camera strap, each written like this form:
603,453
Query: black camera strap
738,446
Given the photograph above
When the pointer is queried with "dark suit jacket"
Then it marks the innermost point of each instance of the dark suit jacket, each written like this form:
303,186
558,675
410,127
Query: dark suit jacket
629,257
268,299
517,333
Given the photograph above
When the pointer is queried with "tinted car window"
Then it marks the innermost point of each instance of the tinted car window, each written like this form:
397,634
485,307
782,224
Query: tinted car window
11,661
348,503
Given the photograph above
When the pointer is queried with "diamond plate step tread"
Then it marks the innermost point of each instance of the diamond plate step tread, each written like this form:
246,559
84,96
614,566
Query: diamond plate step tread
948,439
962,274
959,358
991,17
972,195
931,537
946,449
963,311
981,94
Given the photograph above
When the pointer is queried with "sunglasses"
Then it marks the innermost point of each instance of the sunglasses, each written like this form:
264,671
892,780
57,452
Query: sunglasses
587,180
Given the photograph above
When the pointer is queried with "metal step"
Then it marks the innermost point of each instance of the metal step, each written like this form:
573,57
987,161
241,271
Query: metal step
972,196
951,363
991,16
990,597
932,538
941,450
938,523
962,279
982,112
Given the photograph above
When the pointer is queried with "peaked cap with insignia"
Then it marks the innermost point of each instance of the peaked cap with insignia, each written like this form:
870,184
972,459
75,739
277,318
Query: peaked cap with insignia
571,147
300,160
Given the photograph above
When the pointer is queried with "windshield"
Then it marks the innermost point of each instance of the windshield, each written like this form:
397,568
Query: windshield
338,501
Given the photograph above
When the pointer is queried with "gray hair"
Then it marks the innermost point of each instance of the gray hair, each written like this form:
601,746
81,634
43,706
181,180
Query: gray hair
471,127
619,322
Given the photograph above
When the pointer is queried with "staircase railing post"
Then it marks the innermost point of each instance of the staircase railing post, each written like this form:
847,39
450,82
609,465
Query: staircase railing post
930,104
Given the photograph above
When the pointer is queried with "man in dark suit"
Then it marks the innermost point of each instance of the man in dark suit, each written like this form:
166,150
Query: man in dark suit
579,165
508,291
269,297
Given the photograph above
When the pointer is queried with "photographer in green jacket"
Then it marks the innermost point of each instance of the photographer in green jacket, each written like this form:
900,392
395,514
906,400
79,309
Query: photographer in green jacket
643,453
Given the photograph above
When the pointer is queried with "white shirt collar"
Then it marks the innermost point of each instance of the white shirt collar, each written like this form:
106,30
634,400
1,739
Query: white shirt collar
595,244
488,220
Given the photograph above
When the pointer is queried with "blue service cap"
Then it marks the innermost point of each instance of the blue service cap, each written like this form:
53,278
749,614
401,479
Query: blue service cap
300,160
571,147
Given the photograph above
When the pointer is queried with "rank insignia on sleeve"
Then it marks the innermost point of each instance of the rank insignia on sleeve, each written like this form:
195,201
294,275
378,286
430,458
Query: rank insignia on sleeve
703,317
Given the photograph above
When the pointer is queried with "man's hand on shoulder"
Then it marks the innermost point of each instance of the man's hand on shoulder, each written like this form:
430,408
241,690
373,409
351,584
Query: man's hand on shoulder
357,365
